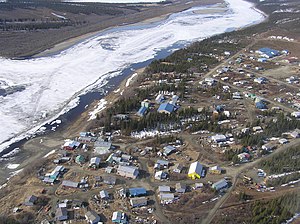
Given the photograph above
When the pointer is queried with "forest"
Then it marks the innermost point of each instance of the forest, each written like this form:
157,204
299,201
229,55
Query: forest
275,211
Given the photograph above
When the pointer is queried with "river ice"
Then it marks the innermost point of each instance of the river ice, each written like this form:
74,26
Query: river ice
52,84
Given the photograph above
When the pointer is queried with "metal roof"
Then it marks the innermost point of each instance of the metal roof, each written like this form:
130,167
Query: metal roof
133,192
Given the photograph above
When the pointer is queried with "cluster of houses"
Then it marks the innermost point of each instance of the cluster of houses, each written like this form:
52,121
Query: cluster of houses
165,106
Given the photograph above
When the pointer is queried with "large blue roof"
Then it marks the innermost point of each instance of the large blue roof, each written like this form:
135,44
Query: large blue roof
268,51
166,107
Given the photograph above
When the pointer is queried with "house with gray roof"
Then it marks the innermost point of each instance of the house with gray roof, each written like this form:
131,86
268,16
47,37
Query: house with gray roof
30,200
128,171
138,202
92,217
61,214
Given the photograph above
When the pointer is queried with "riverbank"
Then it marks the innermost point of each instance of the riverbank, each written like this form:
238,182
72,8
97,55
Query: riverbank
146,17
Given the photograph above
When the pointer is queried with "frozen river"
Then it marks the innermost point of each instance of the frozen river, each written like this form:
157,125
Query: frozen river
43,88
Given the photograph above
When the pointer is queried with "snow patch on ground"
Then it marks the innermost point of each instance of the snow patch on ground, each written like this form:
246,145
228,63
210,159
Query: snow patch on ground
101,106
12,166
50,153
129,80
53,84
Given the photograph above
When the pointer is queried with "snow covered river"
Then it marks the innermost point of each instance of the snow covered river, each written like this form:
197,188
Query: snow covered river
43,88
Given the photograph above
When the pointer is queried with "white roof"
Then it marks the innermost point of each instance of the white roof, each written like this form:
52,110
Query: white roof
218,137
215,168
195,167
95,160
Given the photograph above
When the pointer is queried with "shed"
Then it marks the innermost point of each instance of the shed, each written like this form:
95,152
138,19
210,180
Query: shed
164,188
195,170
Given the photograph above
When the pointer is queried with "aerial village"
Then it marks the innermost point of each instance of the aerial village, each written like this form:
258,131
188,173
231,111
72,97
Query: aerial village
198,131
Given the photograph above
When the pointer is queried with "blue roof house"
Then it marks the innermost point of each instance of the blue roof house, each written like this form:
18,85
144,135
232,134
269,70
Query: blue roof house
268,52
142,111
136,192
166,108
260,105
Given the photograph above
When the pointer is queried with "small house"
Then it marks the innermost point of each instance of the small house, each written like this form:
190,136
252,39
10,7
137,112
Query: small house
215,170
296,114
260,105
30,201
79,159
178,168
95,162
142,111
218,138
268,146
161,164
295,134
110,180
221,184
283,141
104,195
244,157
166,198
136,192
71,145
128,171
138,202
159,98
119,217
180,188
92,217
168,150
195,170
160,175
257,129
61,214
